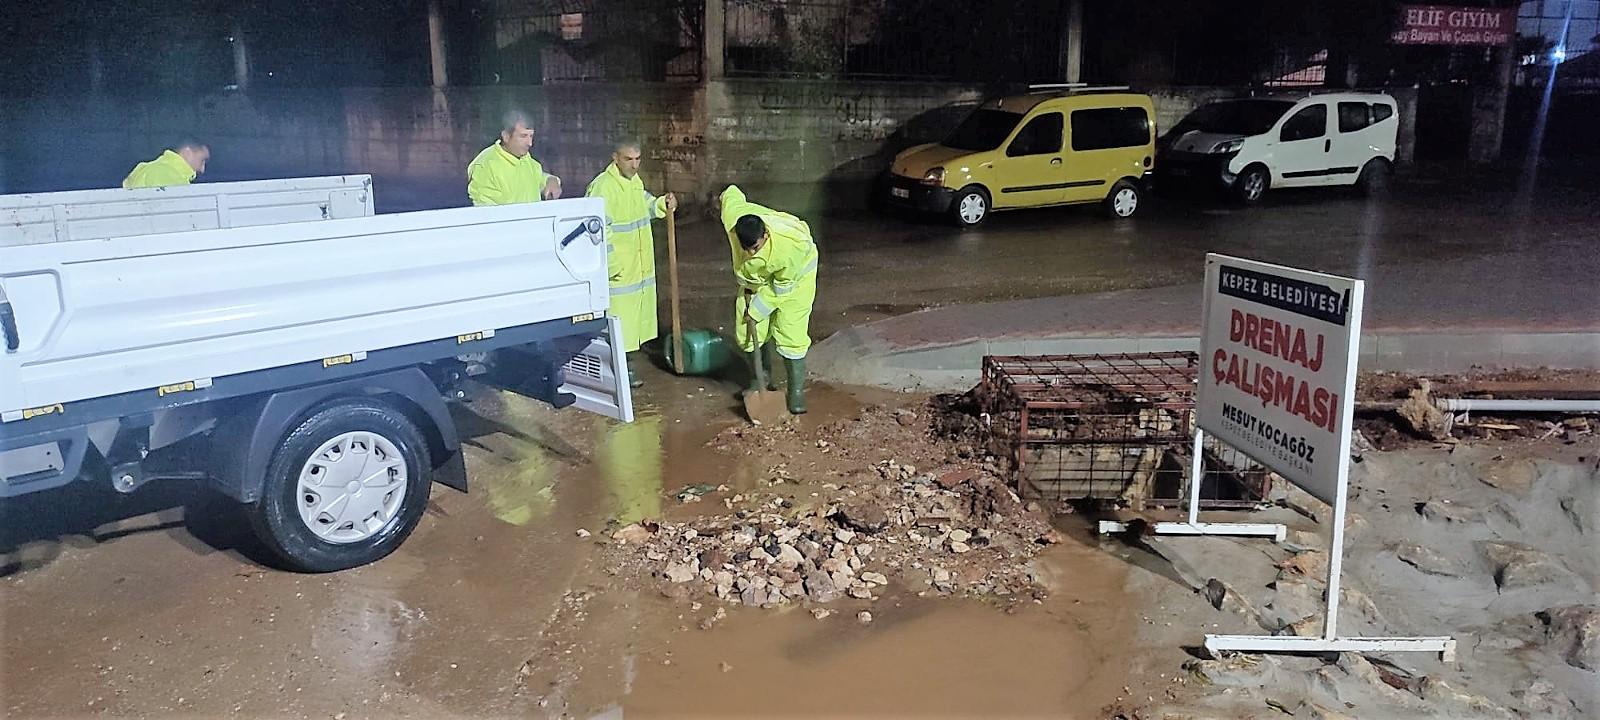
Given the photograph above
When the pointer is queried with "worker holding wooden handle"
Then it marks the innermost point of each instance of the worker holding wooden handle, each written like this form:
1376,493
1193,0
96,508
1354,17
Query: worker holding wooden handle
631,245
775,258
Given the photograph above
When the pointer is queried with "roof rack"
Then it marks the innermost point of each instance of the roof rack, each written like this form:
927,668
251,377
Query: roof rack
1073,87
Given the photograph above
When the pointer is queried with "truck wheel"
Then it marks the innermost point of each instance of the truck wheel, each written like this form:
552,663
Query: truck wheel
345,487
1251,185
970,207
1123,201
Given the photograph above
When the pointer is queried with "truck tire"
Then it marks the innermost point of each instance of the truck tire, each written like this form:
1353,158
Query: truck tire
344,488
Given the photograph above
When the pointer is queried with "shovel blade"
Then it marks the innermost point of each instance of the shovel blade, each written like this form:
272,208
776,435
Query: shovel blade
765,407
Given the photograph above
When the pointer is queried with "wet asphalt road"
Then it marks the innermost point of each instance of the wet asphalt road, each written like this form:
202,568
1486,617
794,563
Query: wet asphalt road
875,266
155,605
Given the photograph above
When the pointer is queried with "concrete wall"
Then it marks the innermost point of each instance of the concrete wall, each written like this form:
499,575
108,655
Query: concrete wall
417,141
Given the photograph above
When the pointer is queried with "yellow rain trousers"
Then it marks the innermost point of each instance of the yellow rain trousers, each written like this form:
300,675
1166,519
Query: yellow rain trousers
630,252
168,169
496,177
782,274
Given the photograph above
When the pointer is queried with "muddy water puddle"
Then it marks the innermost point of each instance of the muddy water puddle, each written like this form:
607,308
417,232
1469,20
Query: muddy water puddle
495,606
919,656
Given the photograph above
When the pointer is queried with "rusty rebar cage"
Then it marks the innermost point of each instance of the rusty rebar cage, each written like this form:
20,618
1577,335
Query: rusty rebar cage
1111,428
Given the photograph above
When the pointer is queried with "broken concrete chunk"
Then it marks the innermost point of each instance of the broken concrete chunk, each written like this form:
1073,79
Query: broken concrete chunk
1419,412
1574,631
821,588
1445,511
862,515
1426,560
634,533
1517,566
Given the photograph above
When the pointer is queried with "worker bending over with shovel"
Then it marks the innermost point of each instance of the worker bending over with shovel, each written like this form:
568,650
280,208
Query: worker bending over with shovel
775,263
630,245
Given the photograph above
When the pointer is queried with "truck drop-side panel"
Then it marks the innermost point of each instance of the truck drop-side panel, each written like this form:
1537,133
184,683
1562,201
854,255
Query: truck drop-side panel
127,314
33,218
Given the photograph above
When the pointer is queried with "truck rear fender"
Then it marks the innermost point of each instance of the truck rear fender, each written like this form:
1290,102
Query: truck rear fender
249,432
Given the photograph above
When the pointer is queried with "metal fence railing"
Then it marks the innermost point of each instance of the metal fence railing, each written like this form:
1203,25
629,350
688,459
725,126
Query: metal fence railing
1018,41
534,42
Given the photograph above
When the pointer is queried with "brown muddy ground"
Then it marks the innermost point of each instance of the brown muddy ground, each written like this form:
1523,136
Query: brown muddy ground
155,605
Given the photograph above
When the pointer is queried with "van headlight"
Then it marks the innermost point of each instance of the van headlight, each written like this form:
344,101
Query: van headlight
1228,146
934,176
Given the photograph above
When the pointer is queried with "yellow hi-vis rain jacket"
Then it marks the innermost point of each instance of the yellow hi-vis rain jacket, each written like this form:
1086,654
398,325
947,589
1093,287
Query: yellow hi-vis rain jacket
496,177
630,252
782,274
168,169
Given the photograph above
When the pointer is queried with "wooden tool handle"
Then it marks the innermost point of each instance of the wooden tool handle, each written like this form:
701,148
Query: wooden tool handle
672,270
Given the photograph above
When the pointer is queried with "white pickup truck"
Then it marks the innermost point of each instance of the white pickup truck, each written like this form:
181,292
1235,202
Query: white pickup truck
302,368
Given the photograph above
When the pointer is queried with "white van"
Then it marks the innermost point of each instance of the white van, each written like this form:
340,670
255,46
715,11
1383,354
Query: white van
1247,146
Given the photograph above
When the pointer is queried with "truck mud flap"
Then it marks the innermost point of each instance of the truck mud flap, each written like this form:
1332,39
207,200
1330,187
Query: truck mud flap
598,376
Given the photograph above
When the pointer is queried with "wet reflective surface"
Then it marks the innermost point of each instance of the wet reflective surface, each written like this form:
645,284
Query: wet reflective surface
156,604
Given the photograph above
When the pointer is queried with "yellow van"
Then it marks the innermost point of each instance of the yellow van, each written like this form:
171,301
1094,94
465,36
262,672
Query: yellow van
1056,145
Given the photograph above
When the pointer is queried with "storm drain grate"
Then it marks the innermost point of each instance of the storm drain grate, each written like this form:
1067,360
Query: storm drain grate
1111,428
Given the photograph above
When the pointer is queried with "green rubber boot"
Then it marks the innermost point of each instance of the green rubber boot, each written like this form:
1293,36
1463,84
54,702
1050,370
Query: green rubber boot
767,352
797,385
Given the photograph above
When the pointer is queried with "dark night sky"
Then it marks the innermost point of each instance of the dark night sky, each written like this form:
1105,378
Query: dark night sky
182,45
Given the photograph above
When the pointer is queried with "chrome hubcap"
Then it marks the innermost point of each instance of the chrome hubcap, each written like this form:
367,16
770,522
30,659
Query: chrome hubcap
1254,183
972,208
352,487
1125,202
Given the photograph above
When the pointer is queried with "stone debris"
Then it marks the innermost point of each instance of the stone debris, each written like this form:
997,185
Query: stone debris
886,528
1422,415
864,617
1518,566
1574,631
1427,560
1449,512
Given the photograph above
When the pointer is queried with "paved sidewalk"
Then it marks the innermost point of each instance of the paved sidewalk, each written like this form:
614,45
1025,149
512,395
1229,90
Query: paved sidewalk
1493,312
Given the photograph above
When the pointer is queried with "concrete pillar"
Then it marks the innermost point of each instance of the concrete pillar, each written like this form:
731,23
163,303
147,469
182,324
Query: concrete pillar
436,44
1072,41
712,44
241,57
1489,109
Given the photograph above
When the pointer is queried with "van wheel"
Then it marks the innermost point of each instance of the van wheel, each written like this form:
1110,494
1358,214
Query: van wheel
970,207
1252,184
344,488
1123,201
1373,182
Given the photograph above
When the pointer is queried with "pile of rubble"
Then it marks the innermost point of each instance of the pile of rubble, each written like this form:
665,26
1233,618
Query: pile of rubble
957,531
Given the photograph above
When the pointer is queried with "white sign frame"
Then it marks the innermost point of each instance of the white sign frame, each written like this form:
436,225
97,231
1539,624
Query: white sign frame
1351,309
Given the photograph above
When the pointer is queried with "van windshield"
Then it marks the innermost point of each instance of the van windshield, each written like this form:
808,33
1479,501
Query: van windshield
983,130
1237,117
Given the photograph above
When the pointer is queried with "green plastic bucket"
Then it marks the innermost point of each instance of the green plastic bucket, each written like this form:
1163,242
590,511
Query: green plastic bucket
704,352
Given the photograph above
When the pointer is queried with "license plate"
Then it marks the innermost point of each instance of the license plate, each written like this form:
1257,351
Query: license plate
900,192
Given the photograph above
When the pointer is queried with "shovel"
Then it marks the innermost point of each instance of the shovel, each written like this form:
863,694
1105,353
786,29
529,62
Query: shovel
761,405
692,351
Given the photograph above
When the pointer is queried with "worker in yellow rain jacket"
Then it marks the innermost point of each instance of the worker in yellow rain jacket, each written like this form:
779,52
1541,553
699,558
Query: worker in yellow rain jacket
630,245
178,166
505,173
775,263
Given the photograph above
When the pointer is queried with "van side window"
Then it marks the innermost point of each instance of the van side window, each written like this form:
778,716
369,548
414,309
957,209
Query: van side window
1311,122
1381,112
1105,128
1354,116
1041,136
